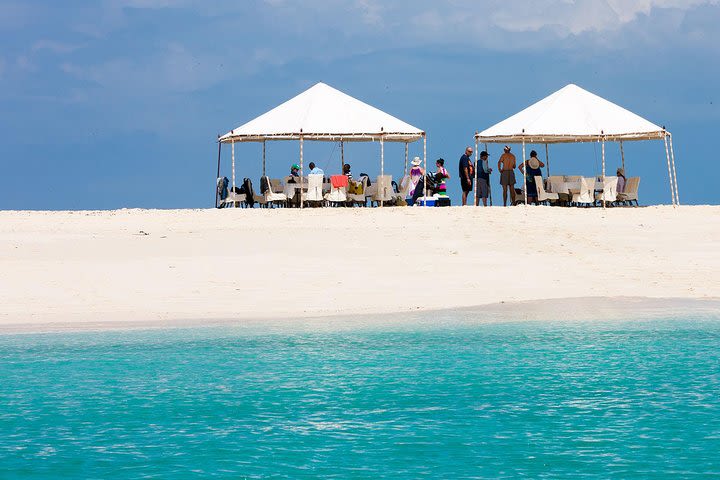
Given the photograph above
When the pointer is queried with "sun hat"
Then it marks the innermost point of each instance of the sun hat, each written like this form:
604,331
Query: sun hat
416,162
534,162
621,171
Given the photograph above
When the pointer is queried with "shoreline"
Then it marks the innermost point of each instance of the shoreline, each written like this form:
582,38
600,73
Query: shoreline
576,309
150,267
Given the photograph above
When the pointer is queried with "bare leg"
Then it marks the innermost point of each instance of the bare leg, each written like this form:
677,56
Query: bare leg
505,192
464,198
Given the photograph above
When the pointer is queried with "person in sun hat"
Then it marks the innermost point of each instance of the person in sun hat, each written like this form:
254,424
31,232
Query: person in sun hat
506,167
531,168
483,179
416,173
621,180
466,173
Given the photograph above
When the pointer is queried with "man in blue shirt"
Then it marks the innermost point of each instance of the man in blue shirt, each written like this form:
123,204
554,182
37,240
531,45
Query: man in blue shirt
315,170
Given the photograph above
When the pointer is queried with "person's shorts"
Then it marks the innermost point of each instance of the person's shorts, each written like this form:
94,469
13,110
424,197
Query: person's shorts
507,177
466,187
483,189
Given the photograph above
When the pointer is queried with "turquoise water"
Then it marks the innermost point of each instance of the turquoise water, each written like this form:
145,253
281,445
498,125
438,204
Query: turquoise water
446,399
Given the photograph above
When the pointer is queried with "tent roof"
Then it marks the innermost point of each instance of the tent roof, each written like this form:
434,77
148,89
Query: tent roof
324,113
571,115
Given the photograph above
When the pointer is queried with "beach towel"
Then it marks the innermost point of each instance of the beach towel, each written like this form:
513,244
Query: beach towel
339,181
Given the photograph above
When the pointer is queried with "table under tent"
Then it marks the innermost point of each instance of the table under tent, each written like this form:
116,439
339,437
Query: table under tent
574,115
323,113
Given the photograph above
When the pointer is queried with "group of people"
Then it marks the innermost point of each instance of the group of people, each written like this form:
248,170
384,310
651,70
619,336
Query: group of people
469,174
506,165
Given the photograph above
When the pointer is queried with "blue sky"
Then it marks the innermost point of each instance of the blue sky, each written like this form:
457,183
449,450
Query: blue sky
117,103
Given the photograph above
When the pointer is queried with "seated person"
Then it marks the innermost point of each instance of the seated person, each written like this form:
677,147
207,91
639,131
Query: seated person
314,170
346,171
531,168
294,173
621,180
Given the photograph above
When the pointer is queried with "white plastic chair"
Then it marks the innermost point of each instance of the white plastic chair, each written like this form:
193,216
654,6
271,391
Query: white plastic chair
234,199
314,191
270,197
384,192
586,193
544,196
609,193
631,191
336,196
404,187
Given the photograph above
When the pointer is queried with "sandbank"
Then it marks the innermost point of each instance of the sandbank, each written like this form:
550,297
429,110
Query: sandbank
177,267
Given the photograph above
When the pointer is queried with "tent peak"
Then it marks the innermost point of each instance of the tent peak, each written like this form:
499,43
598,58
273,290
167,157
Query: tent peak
571,114
324,113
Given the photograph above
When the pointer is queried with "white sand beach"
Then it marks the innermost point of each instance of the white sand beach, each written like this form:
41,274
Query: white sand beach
143,266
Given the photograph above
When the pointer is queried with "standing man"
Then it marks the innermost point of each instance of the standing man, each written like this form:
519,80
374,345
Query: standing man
466,174
483,179
506,167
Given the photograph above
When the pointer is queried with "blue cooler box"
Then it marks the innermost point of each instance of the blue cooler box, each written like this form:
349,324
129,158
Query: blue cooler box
423,202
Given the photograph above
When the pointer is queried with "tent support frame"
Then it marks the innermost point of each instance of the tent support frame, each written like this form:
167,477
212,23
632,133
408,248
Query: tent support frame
382,168
670,177
425,164
301,170
603,172
474,199
263,159
218,172
232,154
524,173
672,160
406,159
547,159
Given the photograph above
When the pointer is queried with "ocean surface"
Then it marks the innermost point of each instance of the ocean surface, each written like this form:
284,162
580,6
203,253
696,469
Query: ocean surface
441,396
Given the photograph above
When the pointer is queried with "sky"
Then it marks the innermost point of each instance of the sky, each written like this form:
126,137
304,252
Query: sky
118,103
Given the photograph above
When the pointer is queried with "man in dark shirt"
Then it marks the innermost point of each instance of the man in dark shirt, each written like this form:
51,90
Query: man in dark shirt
466,174
483,179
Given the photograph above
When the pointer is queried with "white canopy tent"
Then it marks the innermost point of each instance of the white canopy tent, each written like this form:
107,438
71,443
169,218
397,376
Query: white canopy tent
573,114
323,113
